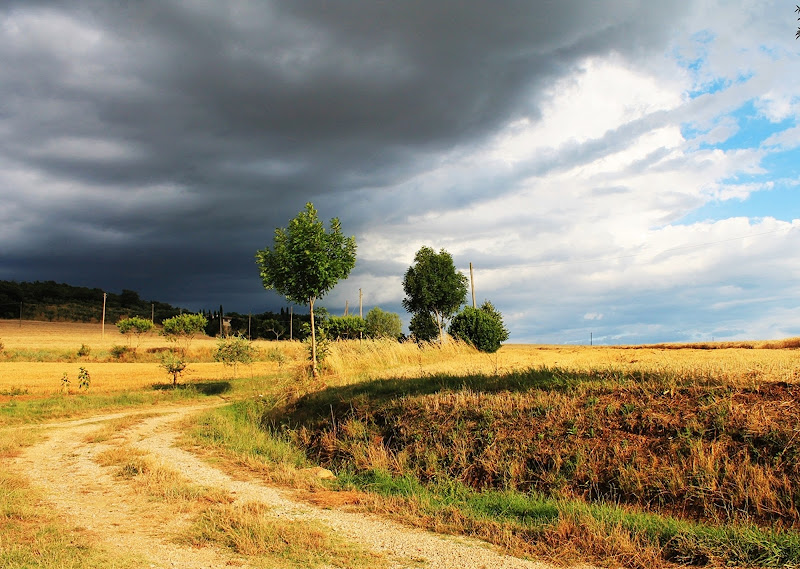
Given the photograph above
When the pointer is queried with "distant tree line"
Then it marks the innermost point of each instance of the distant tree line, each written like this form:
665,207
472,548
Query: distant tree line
59,302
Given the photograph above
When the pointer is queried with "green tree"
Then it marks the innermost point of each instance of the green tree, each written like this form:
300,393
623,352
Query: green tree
482,327
306,262
381,324
134,327
183,328
234,350
173,364
433,286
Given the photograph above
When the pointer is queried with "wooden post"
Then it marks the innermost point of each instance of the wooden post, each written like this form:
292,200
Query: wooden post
360,304
153,312
220,321
291,322
346,307
103,325
20,314
249,319
472,284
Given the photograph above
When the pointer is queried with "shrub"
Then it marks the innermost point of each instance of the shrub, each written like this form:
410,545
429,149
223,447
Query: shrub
119,351
173,364
84,351
423,327
234,350
380,324
482,327
344,327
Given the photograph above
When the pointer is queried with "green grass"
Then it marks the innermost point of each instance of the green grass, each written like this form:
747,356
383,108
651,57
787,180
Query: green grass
30,411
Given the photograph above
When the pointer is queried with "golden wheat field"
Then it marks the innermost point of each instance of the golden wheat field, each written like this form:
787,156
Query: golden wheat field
35,356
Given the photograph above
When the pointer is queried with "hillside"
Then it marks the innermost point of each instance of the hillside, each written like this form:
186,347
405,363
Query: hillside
61,302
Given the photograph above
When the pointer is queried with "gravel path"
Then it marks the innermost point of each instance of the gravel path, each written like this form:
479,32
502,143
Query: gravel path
63,466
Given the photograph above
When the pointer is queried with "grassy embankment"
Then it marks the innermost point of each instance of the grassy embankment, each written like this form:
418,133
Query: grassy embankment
643,456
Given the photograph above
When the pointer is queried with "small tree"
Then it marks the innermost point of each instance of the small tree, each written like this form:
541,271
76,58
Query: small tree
135,326
433,286
173,364
183,328
234,350
273,326
482,327
381,324
306,262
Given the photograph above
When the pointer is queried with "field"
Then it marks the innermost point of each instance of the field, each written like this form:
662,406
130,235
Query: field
641,456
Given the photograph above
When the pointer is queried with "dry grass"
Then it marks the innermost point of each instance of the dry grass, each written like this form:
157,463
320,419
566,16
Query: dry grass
251,529
155,479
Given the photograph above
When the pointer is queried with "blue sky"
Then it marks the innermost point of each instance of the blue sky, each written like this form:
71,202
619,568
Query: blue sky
625,170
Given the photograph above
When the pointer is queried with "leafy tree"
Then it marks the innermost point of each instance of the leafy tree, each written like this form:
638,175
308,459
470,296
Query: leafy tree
345,327
273,326
173,364
381,324
306,262
234,350
423,327
183,328
482,327
433,286
134,327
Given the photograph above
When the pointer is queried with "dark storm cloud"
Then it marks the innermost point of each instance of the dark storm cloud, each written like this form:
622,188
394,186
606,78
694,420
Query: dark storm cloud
158,144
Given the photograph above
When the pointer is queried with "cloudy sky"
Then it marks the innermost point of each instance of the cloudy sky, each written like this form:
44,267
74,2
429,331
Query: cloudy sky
624,169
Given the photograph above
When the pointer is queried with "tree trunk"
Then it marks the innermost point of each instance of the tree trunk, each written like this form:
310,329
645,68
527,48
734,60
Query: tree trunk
439,320
313,339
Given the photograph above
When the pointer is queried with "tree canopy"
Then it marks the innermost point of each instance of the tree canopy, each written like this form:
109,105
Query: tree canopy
306,261
433,286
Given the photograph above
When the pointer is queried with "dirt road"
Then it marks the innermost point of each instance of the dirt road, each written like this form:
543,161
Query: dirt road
89,496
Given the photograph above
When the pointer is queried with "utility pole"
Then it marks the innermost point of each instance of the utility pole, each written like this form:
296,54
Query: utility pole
346,307
103,325
249,320
360,304
153,312
472,284
291,321
220,321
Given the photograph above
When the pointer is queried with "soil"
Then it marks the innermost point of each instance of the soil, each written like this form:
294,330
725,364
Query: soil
93,500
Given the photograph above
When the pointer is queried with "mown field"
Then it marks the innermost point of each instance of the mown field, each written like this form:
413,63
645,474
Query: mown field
637,456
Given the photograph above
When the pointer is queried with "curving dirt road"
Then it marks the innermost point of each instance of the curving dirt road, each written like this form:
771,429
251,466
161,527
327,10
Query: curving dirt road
64,466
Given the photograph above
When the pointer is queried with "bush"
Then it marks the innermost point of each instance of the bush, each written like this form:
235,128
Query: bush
380,324
234,350
344,327
481,327
423,327
84,351
173,364
119,351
